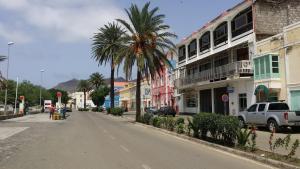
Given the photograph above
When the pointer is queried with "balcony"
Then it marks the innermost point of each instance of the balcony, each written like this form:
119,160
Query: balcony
235,69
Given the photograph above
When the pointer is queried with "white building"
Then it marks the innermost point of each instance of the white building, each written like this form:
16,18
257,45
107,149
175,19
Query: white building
78,98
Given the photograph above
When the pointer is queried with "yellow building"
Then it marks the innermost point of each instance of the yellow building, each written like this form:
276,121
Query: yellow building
276,64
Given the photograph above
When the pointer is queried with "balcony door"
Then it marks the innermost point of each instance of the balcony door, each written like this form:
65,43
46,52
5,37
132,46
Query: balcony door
219,105
205,101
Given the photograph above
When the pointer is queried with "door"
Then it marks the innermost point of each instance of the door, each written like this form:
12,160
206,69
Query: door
205,101
260,115
251,114
295,100
220,107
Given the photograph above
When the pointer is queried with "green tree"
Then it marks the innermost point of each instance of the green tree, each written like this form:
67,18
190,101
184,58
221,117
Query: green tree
64,98
97,80
146,42
2,81
84,86
106,44
10,92
98,95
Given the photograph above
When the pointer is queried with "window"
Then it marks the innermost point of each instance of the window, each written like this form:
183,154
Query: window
262,65
242,54
182,54
204,42
192,48
220,34
278,106
221,61
191,101
252,108
261,107
204,67
275,64
242,102
242,22
256,65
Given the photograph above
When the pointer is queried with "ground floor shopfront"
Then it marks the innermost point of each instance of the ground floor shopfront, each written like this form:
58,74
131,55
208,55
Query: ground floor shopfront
208,97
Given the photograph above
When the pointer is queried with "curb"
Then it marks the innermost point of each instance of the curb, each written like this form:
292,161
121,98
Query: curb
247,155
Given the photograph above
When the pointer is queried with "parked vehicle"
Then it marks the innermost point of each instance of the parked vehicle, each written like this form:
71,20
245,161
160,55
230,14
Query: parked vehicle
165,111
274,115
152,110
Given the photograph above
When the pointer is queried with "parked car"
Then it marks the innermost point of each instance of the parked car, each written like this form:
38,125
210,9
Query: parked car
166,111
274,115
152,110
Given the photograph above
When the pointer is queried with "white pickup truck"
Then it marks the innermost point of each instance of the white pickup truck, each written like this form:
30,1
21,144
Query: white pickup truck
273,115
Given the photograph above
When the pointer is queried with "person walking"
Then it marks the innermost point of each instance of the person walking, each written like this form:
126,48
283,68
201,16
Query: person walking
52,109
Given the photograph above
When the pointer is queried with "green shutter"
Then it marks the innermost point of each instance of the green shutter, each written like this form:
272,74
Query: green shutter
295,100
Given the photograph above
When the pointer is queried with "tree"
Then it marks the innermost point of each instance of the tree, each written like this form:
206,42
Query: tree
84,86
64,98
106,44
146,42
97,80
98,95
2,81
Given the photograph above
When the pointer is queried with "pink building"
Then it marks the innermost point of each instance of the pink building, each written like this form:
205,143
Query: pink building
162,88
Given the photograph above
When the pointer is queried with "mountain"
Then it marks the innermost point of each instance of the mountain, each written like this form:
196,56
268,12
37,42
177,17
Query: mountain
71,85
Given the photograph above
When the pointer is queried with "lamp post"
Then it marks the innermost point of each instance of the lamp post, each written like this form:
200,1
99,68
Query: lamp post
15,109
5,103
42,71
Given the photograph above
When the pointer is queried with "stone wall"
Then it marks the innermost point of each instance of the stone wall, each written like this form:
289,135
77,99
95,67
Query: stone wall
272,15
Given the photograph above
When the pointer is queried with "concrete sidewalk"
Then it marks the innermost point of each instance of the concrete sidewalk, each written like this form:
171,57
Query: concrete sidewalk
33,118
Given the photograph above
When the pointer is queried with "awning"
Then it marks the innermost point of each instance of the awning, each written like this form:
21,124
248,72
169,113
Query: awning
262,88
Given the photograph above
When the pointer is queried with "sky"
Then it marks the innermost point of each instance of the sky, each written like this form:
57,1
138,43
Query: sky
55,35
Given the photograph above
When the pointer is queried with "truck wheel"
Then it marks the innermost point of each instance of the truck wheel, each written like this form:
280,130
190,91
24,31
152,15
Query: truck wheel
272,125
242,123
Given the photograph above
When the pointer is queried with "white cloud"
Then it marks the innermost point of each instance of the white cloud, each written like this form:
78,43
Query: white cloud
14,35
67,20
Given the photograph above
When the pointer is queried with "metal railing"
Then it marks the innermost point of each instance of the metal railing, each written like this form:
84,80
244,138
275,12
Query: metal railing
220,72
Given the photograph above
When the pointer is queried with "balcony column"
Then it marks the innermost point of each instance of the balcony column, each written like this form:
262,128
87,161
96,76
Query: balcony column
186,53
229,32
211,41
212,100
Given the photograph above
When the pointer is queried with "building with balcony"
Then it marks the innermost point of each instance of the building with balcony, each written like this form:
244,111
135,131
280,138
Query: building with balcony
216,60
276,73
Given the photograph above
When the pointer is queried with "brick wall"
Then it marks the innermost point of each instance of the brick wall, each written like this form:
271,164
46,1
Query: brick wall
272,15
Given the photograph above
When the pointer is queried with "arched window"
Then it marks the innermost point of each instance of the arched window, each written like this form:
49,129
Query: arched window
242,22
204,42
220,34
181,53
192,48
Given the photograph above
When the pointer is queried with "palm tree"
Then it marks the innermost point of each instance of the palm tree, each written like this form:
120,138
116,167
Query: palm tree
2,83
146,44
84,86
106,44
97,80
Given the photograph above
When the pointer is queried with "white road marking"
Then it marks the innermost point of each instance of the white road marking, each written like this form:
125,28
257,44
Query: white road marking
145,166
112,137
6,132
124,148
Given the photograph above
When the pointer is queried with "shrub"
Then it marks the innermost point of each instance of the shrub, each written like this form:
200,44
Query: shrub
156,122
170,123
194,125
146,118
180,128
179,120
117,111
243,137
108,110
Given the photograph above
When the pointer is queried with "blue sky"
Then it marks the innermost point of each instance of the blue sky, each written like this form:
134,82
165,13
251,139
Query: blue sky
55,35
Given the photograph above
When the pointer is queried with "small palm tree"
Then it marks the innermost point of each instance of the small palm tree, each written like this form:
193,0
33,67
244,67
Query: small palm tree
97,80
106,44
84,86
146,45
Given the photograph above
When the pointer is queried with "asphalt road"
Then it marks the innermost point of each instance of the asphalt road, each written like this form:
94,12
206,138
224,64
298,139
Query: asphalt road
88,140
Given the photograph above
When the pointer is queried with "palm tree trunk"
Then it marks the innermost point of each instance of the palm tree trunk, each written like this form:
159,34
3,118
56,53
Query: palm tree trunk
138,96
112,84
84,99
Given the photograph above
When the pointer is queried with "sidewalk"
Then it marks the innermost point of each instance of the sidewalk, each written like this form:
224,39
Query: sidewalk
41,117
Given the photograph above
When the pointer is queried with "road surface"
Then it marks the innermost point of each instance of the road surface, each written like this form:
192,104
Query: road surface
88,140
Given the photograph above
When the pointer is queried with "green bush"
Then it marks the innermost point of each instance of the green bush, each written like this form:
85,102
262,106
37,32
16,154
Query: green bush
243,137
146,118
180,128
117,111
179,120
156,122
221,128
170,123
108,110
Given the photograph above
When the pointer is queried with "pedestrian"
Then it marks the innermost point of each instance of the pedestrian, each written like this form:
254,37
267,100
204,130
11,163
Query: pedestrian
52,109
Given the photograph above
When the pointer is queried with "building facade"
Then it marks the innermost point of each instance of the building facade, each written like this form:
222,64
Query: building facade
162,86
118,86
214,71
78,99
276,73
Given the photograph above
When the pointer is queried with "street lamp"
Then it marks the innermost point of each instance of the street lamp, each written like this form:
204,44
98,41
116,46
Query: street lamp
42,70
8,47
